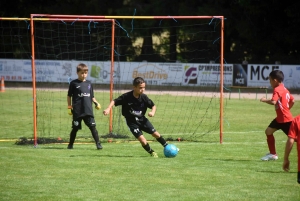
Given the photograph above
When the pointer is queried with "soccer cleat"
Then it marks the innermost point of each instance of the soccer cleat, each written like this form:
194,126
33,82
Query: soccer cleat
269,157
99,146
70,146
154,155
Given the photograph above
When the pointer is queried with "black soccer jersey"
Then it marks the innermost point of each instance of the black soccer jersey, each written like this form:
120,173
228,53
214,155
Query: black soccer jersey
82,94
133,107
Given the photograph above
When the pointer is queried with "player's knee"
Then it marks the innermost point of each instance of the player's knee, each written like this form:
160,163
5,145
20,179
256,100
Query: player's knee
142,140
269,131
75,129
92,128
156,134
143,143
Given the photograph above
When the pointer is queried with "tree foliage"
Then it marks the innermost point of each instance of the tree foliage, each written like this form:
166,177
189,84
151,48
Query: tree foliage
256,31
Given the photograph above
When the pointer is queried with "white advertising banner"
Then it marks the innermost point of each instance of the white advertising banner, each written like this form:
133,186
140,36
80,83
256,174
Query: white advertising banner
258,75
206,74
291,76
153,73
51,71
168,74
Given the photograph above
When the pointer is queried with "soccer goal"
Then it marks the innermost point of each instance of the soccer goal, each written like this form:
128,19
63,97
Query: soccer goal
180,57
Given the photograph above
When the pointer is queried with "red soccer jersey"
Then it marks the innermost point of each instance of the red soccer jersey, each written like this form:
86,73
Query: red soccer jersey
282,97
294,133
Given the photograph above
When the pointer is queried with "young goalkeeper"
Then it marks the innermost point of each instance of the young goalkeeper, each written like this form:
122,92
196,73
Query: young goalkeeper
134,106
293,135
81,94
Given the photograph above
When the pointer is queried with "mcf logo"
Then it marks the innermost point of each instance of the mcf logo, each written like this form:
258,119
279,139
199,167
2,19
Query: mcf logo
190,75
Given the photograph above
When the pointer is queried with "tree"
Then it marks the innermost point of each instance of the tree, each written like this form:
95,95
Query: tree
257,31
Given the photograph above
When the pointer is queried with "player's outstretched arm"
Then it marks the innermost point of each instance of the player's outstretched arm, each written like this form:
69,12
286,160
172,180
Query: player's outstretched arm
270,102
288,148
107,110
152,112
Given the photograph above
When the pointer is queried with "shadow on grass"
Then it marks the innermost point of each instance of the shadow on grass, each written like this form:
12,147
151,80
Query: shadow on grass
51,147
229,159
270,171
109,156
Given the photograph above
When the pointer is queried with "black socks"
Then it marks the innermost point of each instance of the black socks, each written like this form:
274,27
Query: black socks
73,136
162,141
95,134
148,148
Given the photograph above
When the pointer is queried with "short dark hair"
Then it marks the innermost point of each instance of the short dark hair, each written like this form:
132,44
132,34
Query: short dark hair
82,67
277,74
137,81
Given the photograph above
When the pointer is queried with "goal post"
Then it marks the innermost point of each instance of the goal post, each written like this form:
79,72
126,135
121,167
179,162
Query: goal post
180,57
41,17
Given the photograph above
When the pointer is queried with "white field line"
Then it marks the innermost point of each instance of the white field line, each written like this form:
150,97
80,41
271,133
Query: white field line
215,133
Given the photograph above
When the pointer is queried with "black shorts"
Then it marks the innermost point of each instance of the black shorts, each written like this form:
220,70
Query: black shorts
138,125
285,127
88,120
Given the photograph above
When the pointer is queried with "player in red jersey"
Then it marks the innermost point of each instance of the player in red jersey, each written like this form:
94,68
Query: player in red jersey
283,101
293,136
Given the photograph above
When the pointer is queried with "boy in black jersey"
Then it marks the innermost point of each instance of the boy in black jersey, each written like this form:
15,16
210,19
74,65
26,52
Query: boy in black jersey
81,94
134,106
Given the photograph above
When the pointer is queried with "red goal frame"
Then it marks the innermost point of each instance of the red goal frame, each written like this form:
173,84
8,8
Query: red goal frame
49,17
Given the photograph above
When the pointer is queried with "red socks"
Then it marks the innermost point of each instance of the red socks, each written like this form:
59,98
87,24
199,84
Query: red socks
271,144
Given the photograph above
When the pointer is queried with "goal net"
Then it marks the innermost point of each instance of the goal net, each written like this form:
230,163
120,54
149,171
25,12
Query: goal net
179,59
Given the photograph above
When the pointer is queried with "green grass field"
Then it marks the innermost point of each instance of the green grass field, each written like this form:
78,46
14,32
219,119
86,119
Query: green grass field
205,170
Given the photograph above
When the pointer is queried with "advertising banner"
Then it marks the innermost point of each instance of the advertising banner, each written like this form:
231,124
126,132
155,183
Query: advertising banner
258,75
239,75
168,74
291,76
206,74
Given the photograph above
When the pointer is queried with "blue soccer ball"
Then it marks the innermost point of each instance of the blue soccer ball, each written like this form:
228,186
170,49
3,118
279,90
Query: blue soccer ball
170,151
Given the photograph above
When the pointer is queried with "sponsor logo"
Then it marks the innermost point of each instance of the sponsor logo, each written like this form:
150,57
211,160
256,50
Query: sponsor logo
150,71
84,95
136,113
215,68
67,67
95,71
190,75
239,77
258,72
